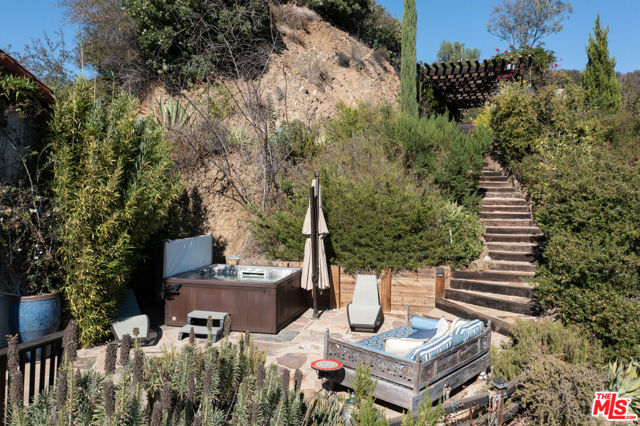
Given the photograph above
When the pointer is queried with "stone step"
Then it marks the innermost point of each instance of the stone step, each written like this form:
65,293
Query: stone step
491,173
494,179
521,208
495,184
505,215
510,289
200,331
499,189
510,265
526,247
533,230
499,201
501,276
512,238
509,222
493,194
512,255
519,305
501,321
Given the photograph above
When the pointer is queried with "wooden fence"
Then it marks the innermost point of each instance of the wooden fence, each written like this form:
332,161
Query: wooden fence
397,289
44,371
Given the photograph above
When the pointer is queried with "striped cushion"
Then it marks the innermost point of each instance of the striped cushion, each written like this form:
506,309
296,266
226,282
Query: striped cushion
431,348
466,331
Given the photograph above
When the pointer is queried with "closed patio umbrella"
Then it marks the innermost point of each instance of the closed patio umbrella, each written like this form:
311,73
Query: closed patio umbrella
322,272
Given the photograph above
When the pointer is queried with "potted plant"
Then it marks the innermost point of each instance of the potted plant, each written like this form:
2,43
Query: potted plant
27,250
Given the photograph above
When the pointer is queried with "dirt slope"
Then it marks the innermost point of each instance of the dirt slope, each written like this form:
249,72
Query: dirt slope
320,67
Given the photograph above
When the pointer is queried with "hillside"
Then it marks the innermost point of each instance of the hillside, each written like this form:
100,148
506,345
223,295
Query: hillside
319,67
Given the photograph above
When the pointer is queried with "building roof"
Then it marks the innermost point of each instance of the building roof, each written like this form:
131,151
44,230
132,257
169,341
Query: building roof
469,84
10,65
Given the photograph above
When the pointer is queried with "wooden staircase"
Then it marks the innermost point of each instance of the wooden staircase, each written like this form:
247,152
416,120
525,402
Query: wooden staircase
501,292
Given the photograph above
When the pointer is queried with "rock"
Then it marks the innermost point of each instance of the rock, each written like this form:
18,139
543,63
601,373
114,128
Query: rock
292,360
85,362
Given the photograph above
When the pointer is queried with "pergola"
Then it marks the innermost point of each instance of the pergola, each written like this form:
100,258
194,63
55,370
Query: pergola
469,84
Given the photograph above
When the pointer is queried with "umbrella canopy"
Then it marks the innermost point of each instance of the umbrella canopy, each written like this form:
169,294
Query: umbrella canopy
307,273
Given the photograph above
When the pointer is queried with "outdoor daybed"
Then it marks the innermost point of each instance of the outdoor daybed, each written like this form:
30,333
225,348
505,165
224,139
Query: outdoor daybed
442,363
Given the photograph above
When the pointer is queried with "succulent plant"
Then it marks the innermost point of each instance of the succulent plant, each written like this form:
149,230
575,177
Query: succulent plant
624,378
173,114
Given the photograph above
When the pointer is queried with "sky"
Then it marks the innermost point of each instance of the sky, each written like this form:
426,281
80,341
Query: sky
462,20
466,21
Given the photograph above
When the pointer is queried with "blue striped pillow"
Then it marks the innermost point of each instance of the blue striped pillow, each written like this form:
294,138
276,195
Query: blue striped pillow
431,348
468,330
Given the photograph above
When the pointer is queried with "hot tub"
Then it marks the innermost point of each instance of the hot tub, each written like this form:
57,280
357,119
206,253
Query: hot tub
259,299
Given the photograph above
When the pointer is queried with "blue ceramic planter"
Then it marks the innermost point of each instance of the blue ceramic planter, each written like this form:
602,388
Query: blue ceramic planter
35,316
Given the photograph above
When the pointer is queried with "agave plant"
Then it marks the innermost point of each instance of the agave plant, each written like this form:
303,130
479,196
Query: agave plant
624,378
173,114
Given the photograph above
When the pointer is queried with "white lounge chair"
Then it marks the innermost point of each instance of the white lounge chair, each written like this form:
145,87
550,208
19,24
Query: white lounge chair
364,312
130,318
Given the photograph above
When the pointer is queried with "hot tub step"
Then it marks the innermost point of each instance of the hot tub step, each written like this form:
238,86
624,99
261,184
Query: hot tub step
200,331
197,317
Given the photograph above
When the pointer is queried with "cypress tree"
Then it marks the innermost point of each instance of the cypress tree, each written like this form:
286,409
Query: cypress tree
602,90
408,74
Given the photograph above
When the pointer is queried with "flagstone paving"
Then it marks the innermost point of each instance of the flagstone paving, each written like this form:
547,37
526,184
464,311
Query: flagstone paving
299,352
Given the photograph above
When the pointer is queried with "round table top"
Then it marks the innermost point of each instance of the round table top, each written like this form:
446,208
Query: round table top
326,365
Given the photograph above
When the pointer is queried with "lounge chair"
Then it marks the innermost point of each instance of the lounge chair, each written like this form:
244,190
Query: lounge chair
364,312
130,318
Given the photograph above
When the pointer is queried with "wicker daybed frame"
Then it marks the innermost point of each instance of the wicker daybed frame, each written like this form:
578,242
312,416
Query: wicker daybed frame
404,382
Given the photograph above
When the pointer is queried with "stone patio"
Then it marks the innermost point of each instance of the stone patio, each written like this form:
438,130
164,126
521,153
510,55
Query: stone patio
296,346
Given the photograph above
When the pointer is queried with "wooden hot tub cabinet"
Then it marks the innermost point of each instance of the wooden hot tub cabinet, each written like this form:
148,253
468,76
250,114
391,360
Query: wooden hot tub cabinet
254,306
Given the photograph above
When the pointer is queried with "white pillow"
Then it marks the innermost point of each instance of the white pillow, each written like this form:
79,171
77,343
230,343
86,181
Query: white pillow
441,328
401,346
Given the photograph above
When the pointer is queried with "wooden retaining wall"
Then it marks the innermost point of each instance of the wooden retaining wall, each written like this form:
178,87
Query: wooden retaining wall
396,289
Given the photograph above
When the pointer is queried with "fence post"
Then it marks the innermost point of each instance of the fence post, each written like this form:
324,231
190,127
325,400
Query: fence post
335,287
440,278
385,281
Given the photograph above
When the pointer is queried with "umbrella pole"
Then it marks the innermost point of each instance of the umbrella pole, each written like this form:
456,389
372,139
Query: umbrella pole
314,245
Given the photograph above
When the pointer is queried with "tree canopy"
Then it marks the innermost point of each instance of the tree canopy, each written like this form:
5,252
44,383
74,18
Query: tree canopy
602,90
526,22
452,52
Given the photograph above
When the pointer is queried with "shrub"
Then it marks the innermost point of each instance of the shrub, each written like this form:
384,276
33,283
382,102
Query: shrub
112,187
588,205
297,139
435,147
347,14
170,33
582,178
554,392
378,215
209,385
363,386
533,340
458,173
525,122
